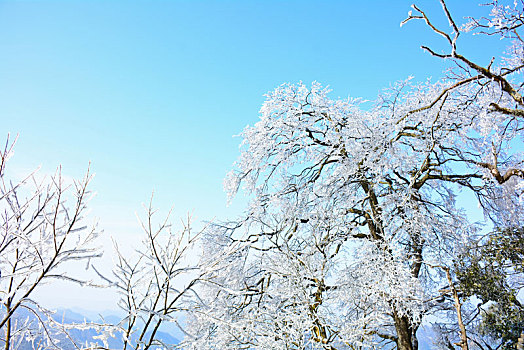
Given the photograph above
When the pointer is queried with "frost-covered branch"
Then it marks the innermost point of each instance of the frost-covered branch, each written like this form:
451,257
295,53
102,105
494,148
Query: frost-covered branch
42,230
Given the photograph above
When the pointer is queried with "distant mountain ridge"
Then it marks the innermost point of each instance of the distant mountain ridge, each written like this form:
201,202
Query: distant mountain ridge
68,317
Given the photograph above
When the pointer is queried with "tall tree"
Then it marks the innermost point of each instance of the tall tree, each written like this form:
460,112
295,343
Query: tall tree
354,224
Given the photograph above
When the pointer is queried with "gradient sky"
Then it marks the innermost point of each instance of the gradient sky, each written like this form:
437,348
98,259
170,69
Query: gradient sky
151,92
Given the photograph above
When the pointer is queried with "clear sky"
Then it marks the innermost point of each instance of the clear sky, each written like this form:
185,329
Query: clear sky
151,92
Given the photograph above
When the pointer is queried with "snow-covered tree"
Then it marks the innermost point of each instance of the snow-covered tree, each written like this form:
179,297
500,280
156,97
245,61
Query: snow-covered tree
42,230
354,222
154,284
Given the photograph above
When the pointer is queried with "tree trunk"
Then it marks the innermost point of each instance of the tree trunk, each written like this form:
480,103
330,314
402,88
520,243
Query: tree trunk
462,327
405,334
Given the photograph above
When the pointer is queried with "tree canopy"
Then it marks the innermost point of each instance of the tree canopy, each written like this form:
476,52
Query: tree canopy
354,228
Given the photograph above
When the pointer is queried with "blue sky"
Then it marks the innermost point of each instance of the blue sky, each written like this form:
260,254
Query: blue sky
151,92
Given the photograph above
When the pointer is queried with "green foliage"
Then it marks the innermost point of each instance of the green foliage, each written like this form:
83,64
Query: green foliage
503,321
492,271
